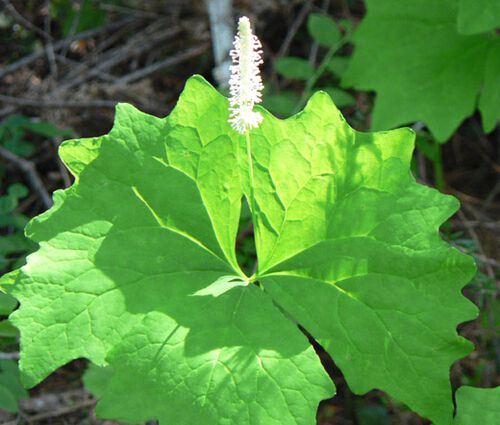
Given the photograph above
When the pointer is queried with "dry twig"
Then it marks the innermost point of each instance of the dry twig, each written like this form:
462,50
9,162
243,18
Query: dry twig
9,356
313,54
173,60
29,59
44,103
21,20
62,411
147,38
294,28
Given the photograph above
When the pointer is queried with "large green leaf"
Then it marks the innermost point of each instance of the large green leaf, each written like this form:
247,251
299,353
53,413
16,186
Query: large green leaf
489,102
422,69
151,221
134,259
478,15
477,406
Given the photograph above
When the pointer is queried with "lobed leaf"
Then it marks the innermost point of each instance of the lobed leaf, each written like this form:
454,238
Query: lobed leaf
422,69
137,270
152,220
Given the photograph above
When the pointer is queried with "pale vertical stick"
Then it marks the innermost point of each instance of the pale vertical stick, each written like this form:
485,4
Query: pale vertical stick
221,28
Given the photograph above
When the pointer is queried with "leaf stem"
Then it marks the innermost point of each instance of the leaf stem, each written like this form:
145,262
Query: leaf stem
311,82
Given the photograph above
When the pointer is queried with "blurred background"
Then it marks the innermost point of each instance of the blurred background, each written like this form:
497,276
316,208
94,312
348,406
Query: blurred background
432,65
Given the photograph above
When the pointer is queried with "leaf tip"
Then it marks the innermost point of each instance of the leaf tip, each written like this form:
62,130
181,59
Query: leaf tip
197,80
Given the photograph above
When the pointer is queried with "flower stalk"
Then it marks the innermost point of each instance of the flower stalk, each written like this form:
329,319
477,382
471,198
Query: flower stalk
245,87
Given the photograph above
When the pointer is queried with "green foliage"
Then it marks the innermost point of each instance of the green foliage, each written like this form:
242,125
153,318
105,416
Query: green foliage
423,69
8,332
326,33
7,304
323,30
15,129
9,373
11,389
96,379
78,17
13,245
477,406
283,103
347,246
294,68
9,202
340,97
15,134
476,16
338,66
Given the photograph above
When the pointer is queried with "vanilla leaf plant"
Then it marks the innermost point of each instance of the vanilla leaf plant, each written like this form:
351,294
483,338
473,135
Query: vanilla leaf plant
430,61
136,268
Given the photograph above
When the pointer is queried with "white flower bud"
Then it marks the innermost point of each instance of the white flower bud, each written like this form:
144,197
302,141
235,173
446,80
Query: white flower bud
245,84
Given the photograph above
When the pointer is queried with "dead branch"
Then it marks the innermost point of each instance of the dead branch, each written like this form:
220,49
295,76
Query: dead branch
43,103
174,60
56,412
29,59
294,28
122,53
21,20
82,67
9,356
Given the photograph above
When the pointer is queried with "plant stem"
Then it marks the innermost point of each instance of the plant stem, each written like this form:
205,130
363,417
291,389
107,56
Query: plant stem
438,169
440,183
311,82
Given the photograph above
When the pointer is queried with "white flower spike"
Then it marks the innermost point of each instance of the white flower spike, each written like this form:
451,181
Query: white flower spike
245,84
